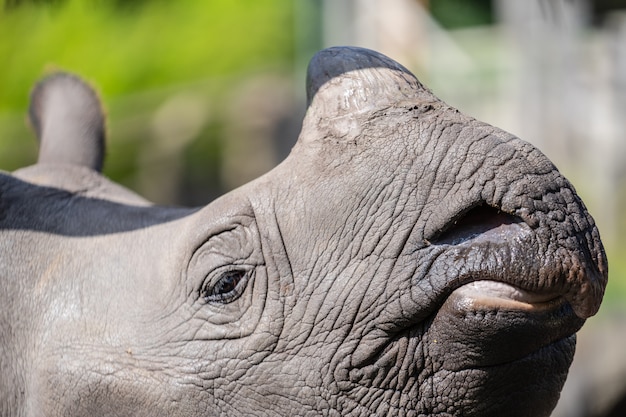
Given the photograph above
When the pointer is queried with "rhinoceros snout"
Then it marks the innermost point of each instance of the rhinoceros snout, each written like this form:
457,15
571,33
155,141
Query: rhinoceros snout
470,247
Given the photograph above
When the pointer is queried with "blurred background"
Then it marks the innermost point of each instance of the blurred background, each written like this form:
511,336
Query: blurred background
203,96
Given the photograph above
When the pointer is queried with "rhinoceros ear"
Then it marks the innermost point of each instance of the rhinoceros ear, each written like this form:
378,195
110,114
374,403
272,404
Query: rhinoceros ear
68,120
346,85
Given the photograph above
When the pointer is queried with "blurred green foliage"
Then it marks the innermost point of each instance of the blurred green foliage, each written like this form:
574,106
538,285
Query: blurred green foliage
128,49
455,14
139,54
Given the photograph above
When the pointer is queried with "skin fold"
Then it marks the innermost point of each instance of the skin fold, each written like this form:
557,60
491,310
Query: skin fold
405,259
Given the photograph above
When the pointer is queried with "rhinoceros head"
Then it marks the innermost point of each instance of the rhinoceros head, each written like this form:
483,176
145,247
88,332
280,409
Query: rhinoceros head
405,259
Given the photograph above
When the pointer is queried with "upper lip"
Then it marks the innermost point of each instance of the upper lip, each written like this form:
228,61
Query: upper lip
510,252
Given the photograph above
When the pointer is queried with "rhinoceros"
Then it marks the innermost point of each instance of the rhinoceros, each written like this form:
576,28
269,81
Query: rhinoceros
405,259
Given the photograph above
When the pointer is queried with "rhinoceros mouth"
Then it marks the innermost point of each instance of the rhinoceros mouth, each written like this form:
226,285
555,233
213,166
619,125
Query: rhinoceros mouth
496,298
494,323
486,294
498,295
506,297
501,259
485,328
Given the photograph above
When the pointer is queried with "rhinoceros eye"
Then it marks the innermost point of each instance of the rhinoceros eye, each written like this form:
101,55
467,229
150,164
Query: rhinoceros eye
227,288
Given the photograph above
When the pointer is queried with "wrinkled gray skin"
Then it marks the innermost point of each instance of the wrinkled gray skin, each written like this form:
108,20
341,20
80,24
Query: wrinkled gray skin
405,259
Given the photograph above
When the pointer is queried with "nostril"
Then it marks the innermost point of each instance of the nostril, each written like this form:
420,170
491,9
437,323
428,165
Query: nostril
473,223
